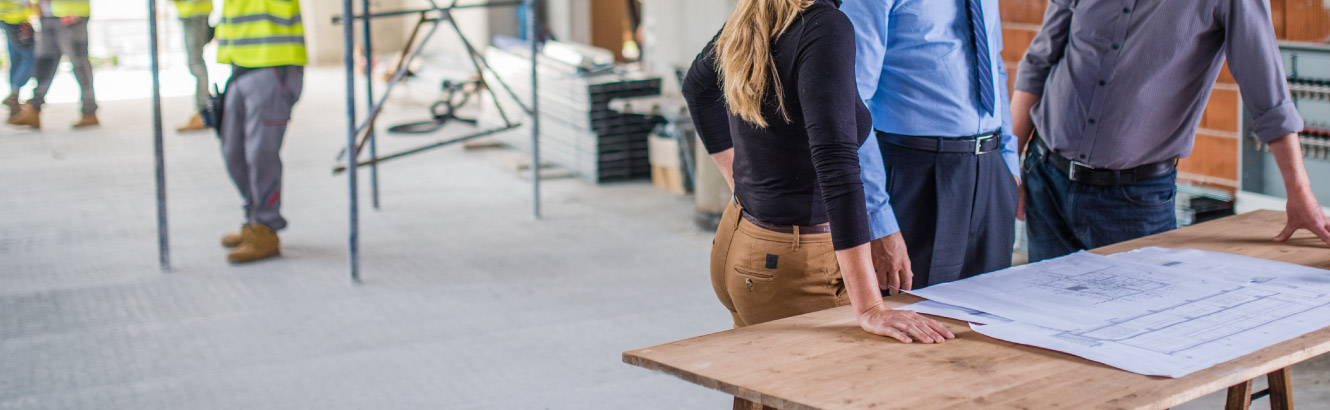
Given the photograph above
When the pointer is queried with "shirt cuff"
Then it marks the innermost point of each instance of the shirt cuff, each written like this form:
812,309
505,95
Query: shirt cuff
1278,122
883,222
1030,83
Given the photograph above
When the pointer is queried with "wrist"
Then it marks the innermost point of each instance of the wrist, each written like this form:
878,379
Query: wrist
860,312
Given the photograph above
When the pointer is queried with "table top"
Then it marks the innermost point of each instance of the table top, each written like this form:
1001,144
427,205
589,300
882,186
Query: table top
822,360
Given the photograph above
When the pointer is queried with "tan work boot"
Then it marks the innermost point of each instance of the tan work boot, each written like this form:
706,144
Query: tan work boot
12,103
260,243
28,116
194,124
88,120
232,240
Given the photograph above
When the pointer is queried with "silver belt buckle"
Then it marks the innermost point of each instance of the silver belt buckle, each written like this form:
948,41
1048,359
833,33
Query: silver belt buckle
979,143
1076,165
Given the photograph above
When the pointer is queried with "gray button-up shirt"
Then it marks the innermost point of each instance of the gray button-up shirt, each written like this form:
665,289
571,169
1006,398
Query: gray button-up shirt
1124,82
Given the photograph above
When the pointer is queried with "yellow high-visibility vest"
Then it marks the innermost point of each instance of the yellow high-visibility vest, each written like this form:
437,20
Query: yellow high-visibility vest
261,33
71,8
14,11
193,8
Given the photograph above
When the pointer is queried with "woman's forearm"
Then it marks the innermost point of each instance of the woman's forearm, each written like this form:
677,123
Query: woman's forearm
856,266
725,162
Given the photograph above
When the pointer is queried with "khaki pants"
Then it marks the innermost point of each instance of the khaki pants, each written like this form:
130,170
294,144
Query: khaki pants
761,275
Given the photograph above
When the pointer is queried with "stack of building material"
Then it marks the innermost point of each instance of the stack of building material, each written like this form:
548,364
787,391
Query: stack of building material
578,130
1196,204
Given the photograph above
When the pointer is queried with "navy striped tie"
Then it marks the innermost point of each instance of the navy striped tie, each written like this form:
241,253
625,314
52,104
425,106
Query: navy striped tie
984,64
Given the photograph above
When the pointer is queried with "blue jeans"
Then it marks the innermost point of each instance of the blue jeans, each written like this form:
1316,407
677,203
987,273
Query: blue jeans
21,59
1062,216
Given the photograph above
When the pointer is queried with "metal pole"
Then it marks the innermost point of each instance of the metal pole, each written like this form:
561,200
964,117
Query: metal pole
159,160
348,53
533,35
369,99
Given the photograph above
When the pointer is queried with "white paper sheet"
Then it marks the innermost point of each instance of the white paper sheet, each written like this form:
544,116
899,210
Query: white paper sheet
954,312
1153,311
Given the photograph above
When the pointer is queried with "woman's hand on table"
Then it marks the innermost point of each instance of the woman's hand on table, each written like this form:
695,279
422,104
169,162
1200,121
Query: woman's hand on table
903,325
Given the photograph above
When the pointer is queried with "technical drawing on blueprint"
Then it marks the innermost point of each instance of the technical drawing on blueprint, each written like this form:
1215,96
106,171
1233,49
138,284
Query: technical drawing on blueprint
1153,311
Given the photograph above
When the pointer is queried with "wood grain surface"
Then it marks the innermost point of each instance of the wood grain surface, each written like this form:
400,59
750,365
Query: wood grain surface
823,361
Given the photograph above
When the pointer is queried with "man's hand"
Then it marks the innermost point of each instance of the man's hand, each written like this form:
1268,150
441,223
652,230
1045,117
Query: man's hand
1303,210
892,264
903,325
1305,213
1020,199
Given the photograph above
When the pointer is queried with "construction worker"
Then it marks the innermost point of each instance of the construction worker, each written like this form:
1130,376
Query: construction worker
64,33
14,15
263,41
194,19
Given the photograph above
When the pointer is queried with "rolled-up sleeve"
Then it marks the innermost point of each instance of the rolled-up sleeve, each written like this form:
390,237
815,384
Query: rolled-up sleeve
706,101
1047,48
1260,70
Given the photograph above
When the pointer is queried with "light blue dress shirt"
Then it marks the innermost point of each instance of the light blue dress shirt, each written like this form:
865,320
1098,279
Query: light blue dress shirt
914,65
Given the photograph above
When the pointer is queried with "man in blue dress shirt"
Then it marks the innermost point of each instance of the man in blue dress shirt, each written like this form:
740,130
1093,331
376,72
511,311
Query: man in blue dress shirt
941,175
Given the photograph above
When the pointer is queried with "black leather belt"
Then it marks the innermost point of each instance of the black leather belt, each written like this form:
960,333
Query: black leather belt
974,144
824,228
1081,172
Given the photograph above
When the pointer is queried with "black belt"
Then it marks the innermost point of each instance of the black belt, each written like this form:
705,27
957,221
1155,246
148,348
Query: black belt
824,228
1080,172
974,144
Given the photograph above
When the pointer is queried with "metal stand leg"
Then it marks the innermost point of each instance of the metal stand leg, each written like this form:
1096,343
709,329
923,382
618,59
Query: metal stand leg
353,209
159,156
534,36
369,99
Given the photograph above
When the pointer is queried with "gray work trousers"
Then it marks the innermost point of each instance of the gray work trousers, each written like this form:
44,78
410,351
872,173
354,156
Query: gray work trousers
57,40
258,106
196,36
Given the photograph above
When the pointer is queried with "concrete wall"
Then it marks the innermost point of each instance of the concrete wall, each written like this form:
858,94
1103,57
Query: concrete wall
676,30
325,40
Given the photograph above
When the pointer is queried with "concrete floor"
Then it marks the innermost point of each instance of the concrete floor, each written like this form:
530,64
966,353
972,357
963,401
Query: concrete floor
467,302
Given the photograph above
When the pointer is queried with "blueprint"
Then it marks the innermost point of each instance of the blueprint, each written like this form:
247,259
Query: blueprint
1154,311
954,312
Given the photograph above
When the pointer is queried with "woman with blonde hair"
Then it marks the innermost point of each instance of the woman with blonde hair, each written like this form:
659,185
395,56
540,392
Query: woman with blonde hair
774,100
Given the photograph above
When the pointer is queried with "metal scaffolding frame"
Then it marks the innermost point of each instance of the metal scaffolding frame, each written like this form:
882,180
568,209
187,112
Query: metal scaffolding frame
354,130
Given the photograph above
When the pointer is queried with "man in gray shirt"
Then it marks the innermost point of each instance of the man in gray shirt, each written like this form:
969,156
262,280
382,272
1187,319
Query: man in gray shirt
1112,93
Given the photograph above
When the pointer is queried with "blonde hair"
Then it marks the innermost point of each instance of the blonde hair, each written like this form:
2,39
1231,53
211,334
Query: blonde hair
743,55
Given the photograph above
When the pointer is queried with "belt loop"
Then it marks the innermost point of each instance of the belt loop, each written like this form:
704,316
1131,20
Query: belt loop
739,212
796,238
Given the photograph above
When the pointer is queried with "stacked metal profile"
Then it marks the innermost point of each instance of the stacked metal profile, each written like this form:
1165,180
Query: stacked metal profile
1308,68
578,130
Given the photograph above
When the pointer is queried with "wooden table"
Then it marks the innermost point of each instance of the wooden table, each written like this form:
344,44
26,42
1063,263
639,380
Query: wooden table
822,360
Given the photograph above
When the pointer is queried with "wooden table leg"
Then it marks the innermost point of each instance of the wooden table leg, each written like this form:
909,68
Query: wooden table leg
1239,396
1281,389
741,404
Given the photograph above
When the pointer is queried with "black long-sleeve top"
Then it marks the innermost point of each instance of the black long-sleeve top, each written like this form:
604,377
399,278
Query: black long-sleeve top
804,172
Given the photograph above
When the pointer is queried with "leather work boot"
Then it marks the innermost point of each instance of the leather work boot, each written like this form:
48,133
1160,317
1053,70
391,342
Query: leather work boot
88,120
28,116
194,124
232,240
12,103
260,243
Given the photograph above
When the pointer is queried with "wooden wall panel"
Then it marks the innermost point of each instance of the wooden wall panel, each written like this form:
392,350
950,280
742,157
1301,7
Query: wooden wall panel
1222,112
1023,11
1015,40
1306,20
1214,156
1277,14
